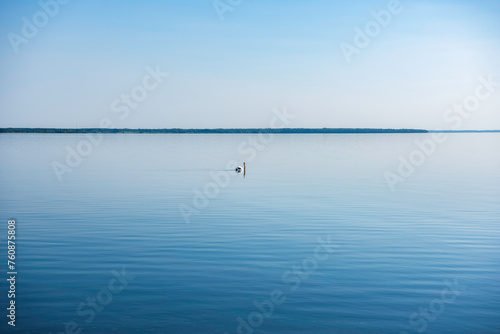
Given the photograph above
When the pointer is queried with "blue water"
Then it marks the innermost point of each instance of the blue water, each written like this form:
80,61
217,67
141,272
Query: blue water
424,258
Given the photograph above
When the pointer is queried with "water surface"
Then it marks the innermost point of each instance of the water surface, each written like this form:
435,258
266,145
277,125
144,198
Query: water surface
388,259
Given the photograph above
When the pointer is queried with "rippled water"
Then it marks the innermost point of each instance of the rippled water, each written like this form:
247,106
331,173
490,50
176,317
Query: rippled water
311,240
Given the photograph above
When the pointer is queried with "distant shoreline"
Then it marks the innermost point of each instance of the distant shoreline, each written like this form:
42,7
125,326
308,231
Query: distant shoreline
210,131
235,130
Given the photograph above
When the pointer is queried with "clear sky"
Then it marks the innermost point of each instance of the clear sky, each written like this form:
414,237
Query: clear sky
233,72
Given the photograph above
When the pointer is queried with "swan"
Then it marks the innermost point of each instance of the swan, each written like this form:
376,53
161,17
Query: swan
240,169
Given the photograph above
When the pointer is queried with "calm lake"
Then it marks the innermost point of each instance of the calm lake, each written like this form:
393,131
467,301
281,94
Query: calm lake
159,234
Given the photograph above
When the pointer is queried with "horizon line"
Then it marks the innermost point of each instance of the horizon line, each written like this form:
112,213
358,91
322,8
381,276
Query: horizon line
231,130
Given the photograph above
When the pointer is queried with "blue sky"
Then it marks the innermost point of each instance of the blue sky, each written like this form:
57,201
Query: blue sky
263,55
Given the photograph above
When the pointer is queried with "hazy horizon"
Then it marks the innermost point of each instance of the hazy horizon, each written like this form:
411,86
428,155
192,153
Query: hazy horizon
247,128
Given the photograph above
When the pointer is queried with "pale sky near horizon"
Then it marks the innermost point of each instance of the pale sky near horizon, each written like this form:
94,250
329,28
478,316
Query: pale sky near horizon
231,73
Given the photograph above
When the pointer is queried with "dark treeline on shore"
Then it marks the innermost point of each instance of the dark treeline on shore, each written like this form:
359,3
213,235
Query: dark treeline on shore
202,131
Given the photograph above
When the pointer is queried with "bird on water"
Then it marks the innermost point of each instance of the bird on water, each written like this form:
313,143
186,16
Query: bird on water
240,169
